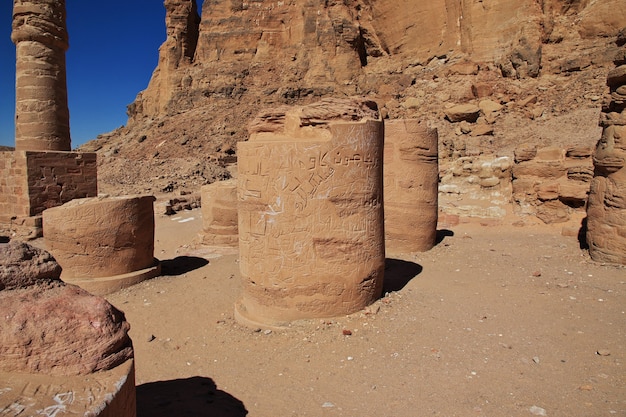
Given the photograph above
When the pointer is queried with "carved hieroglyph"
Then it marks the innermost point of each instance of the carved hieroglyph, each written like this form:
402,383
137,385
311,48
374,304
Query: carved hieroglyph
103,244
411,178
42,120
606,208
311,229
219,214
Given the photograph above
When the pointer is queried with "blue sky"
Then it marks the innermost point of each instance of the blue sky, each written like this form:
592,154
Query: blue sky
113,51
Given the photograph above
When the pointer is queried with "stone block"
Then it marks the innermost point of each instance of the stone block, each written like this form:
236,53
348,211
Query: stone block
219,214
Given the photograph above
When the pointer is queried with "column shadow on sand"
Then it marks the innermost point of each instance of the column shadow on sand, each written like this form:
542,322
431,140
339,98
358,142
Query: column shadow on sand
191,397
181,265
398,273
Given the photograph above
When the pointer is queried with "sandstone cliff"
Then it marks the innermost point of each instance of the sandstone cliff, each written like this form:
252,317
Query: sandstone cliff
413,57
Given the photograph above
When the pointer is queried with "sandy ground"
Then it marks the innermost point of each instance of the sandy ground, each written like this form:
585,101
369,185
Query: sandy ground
494,321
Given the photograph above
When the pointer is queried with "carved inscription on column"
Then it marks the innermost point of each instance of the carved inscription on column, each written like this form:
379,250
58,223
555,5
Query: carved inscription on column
311,221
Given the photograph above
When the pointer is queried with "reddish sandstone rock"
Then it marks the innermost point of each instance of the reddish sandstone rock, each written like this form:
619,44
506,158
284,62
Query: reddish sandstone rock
59,329
22,265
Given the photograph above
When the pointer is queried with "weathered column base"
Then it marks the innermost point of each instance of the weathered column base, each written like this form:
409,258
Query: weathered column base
102,394
108,285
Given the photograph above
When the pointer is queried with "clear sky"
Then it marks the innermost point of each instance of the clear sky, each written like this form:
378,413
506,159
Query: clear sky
113,51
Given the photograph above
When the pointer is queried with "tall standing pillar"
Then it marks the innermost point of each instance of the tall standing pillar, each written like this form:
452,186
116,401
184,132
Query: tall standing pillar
42,121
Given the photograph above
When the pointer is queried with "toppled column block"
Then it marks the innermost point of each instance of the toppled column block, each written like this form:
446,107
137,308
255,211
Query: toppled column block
219,214
103,244
311,228
411,180
62,350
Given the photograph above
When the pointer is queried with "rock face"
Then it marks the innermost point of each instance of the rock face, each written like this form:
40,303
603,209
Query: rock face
311,232
411,177
103,244
606,210
295,49
22,265
41,111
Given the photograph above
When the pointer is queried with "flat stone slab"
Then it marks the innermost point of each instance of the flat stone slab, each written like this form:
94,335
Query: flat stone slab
102,394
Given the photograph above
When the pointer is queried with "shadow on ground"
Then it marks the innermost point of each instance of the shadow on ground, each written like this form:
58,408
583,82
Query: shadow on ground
182,265
442,234
398,273
192,397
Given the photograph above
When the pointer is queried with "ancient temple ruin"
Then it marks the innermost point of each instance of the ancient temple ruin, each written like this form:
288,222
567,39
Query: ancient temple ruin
42,172
311,230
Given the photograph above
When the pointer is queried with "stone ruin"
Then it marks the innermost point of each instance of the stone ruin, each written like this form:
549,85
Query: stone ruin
103,244
62,350
411,178
42,172
219,214
551,183
311,228
606,209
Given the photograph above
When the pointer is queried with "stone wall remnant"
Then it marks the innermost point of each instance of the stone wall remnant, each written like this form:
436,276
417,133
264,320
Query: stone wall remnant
219,214
551,183
311,228
103,244
41,113
606,209
411,180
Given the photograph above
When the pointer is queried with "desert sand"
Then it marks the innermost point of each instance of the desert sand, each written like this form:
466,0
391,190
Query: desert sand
495,320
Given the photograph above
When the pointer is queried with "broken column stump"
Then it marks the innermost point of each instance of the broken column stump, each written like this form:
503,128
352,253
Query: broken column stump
219,214
311,228
411,180
103,244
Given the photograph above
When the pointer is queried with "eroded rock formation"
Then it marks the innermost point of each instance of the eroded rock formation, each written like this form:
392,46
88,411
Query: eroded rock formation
41,111
606,211
22,265
311,232
52,328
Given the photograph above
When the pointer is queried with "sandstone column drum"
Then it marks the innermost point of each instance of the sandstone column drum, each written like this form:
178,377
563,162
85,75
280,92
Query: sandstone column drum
103,244
311,228
411,178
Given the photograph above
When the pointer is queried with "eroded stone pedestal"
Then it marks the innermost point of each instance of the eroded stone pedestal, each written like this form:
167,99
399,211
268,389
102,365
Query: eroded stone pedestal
411,178
311,212
606,208
219,214
103,244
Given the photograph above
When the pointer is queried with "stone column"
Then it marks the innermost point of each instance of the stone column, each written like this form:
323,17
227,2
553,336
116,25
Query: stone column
606,208
219,214
411,174
103,244
311,228
42,121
